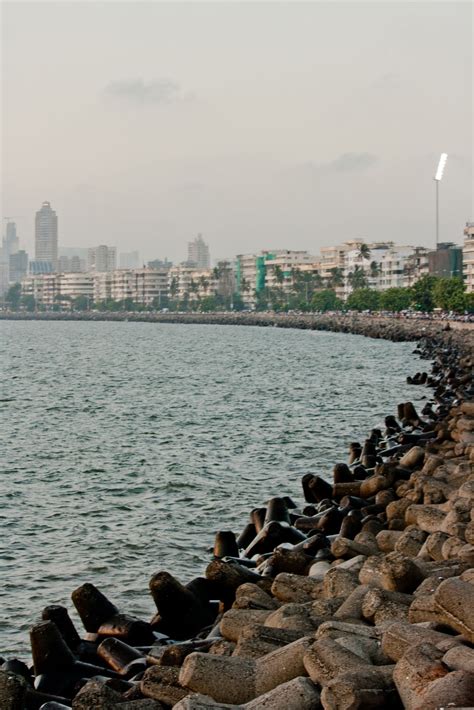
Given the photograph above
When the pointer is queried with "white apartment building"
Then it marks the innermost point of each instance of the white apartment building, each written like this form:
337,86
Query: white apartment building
101,258
401,266
143,286
270,269
43,287
102,287
279,266
73,284
187,282
369,266
468,257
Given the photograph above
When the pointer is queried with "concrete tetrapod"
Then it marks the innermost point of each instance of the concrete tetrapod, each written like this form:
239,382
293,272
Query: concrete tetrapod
454,600
239,680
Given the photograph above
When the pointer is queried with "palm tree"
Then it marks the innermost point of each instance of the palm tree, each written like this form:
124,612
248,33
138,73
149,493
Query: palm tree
375,269
337,277
364,251
357,278
204,283
174,287
279,275
244,285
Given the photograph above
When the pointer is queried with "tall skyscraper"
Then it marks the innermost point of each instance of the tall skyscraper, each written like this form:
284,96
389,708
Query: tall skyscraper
198,253
46,235
11,241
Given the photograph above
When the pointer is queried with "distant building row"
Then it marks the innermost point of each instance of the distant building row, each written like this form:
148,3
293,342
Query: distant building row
15,265
145,286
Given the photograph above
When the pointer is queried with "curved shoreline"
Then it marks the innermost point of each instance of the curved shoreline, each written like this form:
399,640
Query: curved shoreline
315,609
373,326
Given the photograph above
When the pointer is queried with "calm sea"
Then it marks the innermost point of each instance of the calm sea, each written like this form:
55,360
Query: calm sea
126,446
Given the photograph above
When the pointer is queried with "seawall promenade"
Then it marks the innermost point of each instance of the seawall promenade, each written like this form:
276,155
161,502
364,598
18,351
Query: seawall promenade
389,328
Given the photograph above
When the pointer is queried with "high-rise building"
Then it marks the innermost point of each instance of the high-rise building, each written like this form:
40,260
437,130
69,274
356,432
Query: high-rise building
11,241
18,264
102,259
46,235
198,253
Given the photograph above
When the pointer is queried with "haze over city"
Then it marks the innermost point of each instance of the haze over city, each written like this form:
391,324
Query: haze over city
259,125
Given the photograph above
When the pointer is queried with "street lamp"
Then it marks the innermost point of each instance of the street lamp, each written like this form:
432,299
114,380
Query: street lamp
437,179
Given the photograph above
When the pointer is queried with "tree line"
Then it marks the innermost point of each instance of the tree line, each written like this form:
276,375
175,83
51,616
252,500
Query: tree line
308,292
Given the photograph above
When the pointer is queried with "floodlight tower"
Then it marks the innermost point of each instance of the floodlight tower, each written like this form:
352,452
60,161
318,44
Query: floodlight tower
437,179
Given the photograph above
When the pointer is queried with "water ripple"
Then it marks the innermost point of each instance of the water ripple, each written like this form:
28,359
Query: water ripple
126,446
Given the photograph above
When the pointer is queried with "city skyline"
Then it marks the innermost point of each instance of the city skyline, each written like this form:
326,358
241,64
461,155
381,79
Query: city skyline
336,137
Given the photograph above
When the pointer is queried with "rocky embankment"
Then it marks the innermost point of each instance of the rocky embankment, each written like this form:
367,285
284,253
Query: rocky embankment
362,597
397,329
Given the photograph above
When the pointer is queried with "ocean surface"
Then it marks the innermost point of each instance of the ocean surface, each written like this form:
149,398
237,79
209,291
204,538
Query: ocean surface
125,446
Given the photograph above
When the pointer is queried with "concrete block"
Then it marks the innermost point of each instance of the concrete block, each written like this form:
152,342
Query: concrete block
295,588
296,694
226,680
281,665
294,617
393,572
360,690
162,683
12,691
235,620
455,602
399,636
339,583
97,695
326,659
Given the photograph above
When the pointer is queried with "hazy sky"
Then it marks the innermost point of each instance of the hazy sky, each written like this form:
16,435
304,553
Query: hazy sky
261,125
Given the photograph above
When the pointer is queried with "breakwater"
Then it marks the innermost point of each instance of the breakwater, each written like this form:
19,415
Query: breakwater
270,615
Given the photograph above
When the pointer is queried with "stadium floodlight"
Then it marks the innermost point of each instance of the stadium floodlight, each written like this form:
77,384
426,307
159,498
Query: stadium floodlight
437,179
441,166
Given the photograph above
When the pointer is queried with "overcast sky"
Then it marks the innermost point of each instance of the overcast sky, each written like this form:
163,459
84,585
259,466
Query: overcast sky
261,125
